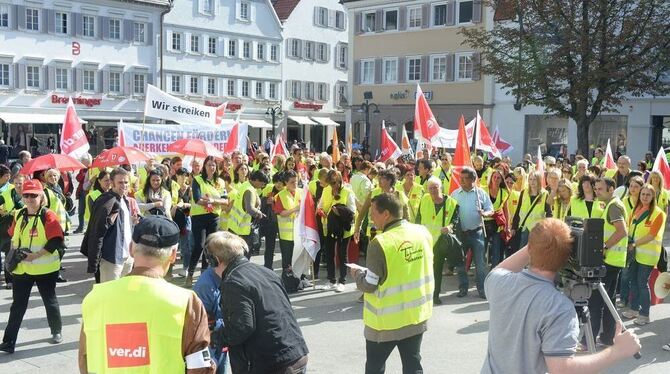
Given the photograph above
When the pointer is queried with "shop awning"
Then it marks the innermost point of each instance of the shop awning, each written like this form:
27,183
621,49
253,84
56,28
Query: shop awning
303,120
257,123
34,118
325,121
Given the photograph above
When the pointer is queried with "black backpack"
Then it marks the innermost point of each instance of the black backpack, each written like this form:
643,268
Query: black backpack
290,281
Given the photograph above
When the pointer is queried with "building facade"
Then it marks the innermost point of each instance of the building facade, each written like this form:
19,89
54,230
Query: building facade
314,70
102,53
225,51
399,45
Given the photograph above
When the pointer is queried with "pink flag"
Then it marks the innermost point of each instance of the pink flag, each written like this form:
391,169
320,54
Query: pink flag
661,165
424,120
73,141
609,159
220,111
502,145
539,166
306,232
122,138
389,148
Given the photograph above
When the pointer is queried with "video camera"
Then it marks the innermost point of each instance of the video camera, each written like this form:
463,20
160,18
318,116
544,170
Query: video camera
585,266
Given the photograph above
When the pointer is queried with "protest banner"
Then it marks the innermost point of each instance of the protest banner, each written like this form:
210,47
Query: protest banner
155,138
159,104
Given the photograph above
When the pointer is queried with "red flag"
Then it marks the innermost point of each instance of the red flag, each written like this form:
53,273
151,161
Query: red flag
484,140
609,159
661,165
306,232
389,148
424,120
73,141
404,144
122,138
220,111
502,145
279,148
461,156
233,140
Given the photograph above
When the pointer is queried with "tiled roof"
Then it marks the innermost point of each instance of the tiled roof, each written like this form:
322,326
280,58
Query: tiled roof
284,8
504,11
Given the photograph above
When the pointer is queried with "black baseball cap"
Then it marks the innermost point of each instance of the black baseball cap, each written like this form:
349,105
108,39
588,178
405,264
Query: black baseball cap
156,231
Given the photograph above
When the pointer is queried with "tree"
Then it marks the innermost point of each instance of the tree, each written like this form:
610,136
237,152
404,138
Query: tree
577,58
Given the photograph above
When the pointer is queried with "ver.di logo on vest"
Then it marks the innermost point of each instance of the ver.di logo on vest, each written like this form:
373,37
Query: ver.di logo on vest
127,345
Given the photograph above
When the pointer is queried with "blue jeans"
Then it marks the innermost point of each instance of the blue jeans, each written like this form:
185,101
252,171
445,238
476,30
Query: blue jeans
624,282
80,211
475,240
220,358
639,287
494,243
524,238
186,245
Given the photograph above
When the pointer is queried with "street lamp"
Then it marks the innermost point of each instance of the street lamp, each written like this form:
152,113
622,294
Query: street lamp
274,113
365,108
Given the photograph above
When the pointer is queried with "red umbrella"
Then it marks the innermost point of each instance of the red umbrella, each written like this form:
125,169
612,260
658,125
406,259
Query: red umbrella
194,147
51,161
119,156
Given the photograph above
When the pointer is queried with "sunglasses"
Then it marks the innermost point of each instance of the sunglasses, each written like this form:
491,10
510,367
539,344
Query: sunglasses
30,196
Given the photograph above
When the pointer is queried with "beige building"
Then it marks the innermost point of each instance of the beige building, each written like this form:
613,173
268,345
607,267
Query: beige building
396,45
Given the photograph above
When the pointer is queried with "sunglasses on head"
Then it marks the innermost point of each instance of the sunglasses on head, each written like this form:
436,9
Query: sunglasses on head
30,196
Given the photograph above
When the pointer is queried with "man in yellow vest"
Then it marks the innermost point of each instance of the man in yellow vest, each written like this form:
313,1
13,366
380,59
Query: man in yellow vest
398,285
158,326
615,245
246,209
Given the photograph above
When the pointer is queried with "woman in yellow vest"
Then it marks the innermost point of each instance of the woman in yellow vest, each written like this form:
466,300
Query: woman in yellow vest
662,195
101,184
412,190
336,194
287,206
645,238
521,180
240,175
584,204
387,182
497,190
561,207
55,196
153,198
534,206
207,199
632,194
513,200
37,232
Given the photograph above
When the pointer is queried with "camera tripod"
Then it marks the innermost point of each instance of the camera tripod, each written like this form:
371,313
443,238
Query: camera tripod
584,315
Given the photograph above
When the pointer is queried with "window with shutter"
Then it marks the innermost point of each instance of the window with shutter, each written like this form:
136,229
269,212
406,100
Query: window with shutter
439,14
4,15
464,66
4,75
139,84
465,8
369,21
390,19
61,26
32,19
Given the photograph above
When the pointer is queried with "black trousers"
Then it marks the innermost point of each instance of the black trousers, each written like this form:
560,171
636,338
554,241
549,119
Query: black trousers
410,355
270,233
202,226
22,286
599,311
439,258
319,254
286,247
249,239
341,244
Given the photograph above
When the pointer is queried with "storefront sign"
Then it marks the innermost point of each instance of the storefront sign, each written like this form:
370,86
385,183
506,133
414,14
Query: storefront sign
427,94
230,107
155,138
88,101
310,106
400,95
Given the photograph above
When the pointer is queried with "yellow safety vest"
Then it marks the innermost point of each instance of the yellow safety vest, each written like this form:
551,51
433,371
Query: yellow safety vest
224,217
405,297
484,180
579,209
139,196
649,253
142,175
663,199
142,334
616,254
628,205
239,220
92,196
285,224
559,210
312,187
512,201
433,220
413,198
8,204
378,191
327,202
535,215
174,192
55,205
25,229
503,196
207,188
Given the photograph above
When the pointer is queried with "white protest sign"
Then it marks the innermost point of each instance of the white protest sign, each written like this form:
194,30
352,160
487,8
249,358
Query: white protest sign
159,104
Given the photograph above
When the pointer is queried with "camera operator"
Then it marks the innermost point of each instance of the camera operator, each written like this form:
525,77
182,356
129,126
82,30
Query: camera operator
614,249
544,321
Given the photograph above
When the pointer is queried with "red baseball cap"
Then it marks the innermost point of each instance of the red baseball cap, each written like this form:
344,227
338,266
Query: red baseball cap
32,186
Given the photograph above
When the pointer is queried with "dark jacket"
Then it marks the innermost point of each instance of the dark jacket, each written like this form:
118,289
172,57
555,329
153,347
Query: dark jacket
104,233
259,326
339,223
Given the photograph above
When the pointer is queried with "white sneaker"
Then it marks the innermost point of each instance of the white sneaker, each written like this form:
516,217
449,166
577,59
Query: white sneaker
182,273
328,286
339,287
305,283
630,314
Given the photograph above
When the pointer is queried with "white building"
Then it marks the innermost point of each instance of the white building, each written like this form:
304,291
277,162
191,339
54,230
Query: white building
225,51
100,52
314,71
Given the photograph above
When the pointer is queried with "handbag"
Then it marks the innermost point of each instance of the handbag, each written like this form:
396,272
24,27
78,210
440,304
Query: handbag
450,243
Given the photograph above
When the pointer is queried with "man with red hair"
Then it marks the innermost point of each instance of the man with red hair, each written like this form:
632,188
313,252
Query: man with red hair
527,309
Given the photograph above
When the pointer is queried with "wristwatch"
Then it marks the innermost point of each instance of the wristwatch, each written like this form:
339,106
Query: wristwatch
605,246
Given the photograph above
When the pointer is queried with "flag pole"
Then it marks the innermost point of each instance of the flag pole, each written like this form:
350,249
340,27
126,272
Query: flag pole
313,278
